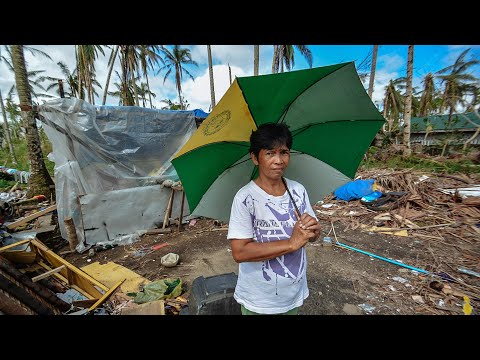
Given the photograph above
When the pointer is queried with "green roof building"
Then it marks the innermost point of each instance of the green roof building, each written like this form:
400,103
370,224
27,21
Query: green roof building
434,129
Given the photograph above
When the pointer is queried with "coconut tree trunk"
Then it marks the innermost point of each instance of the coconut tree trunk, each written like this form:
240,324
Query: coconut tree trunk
371,82
135,91
256,59
111,62
210,71
230,74
275,56
372,70
39,181
6,130
149,92
60,88
407,151
280,56
469,140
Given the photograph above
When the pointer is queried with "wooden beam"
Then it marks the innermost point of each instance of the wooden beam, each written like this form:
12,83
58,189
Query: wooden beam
158,231
15,244
181,212
168,210
48,273
106,296
84,303
28,218
71,233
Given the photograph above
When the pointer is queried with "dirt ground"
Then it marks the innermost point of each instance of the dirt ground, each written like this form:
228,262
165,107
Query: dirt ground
341,281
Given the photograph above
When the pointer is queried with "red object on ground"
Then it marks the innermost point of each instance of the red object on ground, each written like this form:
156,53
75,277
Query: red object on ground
40,197
156,247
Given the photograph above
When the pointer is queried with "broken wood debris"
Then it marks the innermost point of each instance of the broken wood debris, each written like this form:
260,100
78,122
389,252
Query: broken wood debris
444,222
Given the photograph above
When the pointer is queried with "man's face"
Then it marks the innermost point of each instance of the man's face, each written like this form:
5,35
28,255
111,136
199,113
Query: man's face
272,162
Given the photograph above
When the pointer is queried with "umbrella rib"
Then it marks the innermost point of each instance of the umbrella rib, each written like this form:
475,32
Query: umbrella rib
237,163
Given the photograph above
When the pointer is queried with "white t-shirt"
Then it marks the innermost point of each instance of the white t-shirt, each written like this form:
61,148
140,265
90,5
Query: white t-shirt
277,285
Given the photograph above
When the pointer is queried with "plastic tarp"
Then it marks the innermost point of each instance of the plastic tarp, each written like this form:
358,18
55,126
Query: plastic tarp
98,149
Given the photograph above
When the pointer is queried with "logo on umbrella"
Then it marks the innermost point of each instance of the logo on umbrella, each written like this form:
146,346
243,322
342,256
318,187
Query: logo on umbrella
217,122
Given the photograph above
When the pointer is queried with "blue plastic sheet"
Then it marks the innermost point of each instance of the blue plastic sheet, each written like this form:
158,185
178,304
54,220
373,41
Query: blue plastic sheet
354,190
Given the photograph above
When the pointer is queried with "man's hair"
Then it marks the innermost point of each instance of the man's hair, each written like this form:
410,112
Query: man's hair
268,136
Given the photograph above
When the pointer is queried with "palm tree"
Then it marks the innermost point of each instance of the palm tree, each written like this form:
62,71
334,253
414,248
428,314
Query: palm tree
393,103
86,56
372,71
284,54
149,58
70,79
39,181
143,90
456,82
12,110
407,150
210,71
111,62
456,86
427,102
475,99
124,92
177,59
130,59
170,105
6,131
256,59
34,79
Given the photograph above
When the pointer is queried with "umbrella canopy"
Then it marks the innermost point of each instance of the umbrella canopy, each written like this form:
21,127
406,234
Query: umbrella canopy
331,117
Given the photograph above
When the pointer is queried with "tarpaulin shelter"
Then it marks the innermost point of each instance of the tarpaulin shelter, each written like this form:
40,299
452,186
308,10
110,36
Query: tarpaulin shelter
110,162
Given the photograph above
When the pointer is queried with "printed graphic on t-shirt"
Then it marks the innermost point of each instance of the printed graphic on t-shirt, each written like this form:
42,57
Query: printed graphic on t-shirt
277,224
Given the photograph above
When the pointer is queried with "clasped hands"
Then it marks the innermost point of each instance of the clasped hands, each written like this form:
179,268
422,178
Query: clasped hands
306,229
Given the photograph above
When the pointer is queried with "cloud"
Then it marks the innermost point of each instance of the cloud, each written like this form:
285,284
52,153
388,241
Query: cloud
391,62
198,92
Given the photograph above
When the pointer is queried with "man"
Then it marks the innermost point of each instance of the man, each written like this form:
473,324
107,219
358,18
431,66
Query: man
266,232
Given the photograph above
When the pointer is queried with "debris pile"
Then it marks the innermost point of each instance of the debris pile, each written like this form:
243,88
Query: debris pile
442,211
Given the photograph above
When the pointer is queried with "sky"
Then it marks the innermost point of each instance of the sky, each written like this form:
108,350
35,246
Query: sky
391,64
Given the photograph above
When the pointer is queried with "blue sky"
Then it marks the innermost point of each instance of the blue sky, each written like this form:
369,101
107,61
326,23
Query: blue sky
391,64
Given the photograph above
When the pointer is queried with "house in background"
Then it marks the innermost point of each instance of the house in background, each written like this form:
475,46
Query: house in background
436,129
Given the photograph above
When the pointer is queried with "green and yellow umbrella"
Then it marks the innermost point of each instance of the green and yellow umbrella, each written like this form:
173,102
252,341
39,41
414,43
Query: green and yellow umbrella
332,119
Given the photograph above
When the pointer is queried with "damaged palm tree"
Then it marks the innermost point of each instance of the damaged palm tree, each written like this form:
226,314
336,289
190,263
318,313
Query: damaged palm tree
39,181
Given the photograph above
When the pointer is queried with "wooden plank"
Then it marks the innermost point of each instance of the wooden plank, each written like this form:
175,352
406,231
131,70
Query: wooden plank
48,273
111,273
156,307
28,218
181,212
84,303
15,244
168,210
158,231
105,296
